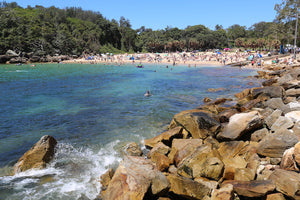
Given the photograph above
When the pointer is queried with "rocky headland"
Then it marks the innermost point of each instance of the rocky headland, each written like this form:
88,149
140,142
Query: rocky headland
247,151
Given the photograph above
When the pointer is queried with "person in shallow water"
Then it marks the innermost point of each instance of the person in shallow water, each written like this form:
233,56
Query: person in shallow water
147,94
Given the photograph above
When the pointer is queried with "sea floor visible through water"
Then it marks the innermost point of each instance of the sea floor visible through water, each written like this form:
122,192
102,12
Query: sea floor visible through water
93,111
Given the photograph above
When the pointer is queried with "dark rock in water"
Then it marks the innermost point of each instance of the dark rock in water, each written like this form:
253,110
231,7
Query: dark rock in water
38,156
270,91
206,99
200,124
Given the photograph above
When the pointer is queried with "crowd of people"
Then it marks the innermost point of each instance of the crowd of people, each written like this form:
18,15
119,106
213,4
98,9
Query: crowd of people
243,58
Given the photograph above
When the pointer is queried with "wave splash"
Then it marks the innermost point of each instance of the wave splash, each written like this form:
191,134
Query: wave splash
74,173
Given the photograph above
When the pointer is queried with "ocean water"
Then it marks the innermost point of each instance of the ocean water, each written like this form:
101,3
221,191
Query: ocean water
93,111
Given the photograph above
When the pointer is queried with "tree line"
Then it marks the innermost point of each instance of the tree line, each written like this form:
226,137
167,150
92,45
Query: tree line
73,31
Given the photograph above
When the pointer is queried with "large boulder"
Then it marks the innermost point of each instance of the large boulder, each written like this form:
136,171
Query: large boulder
274,145
252,188
187,188
38,156
293,92
240,125
200,124
269,91
287,182
282,123
271,119
132,179
182,148
203,162
166,137
297,153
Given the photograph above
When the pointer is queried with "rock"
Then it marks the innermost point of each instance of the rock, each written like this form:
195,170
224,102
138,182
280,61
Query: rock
132,179
294,116
208,183
287,161
252,188
160,185
287,182
105,180
240,125
232,149
275,161
297,153
165,137
11,53
162,162
206,100
225,115
269,82
288,100
172,169
274,103
283,123
203,162
271,119
284,79
293,92
223,193
160,148
243,94
249,105
294,105
210,140
182,148
264,174
187,188
199,123
133,149
296,130
258,135
253,162
38,156
291,84
269,91
275,196
244,174
274,145
215,89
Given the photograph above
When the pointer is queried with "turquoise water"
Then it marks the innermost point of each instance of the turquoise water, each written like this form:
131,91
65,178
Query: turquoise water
93,111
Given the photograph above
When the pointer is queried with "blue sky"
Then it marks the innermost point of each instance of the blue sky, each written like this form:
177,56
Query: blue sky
158,14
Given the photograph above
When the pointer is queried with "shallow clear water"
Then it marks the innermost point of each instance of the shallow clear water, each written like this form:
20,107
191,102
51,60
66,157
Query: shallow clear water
93,111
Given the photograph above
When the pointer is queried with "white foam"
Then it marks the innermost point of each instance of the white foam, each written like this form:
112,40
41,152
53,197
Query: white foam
74,173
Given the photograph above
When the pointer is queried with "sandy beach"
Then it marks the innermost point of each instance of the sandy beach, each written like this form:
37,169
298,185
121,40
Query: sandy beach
243,59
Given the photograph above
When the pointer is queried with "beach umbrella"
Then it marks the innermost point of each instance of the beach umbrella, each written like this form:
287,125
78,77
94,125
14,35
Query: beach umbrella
260,55
219,53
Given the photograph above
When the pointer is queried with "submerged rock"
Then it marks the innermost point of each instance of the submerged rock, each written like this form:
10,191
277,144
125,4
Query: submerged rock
38,156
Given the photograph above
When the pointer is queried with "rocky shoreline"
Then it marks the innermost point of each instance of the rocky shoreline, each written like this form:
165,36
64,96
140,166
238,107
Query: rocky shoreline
248,151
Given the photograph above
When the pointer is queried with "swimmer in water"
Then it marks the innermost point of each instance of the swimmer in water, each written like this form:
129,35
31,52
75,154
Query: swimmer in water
147,94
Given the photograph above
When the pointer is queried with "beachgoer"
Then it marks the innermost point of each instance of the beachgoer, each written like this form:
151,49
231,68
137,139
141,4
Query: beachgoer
147,94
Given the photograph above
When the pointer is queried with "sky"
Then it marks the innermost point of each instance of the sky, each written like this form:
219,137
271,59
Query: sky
158,14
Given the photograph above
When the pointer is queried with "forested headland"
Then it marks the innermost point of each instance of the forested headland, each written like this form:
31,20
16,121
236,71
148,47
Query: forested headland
73,31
